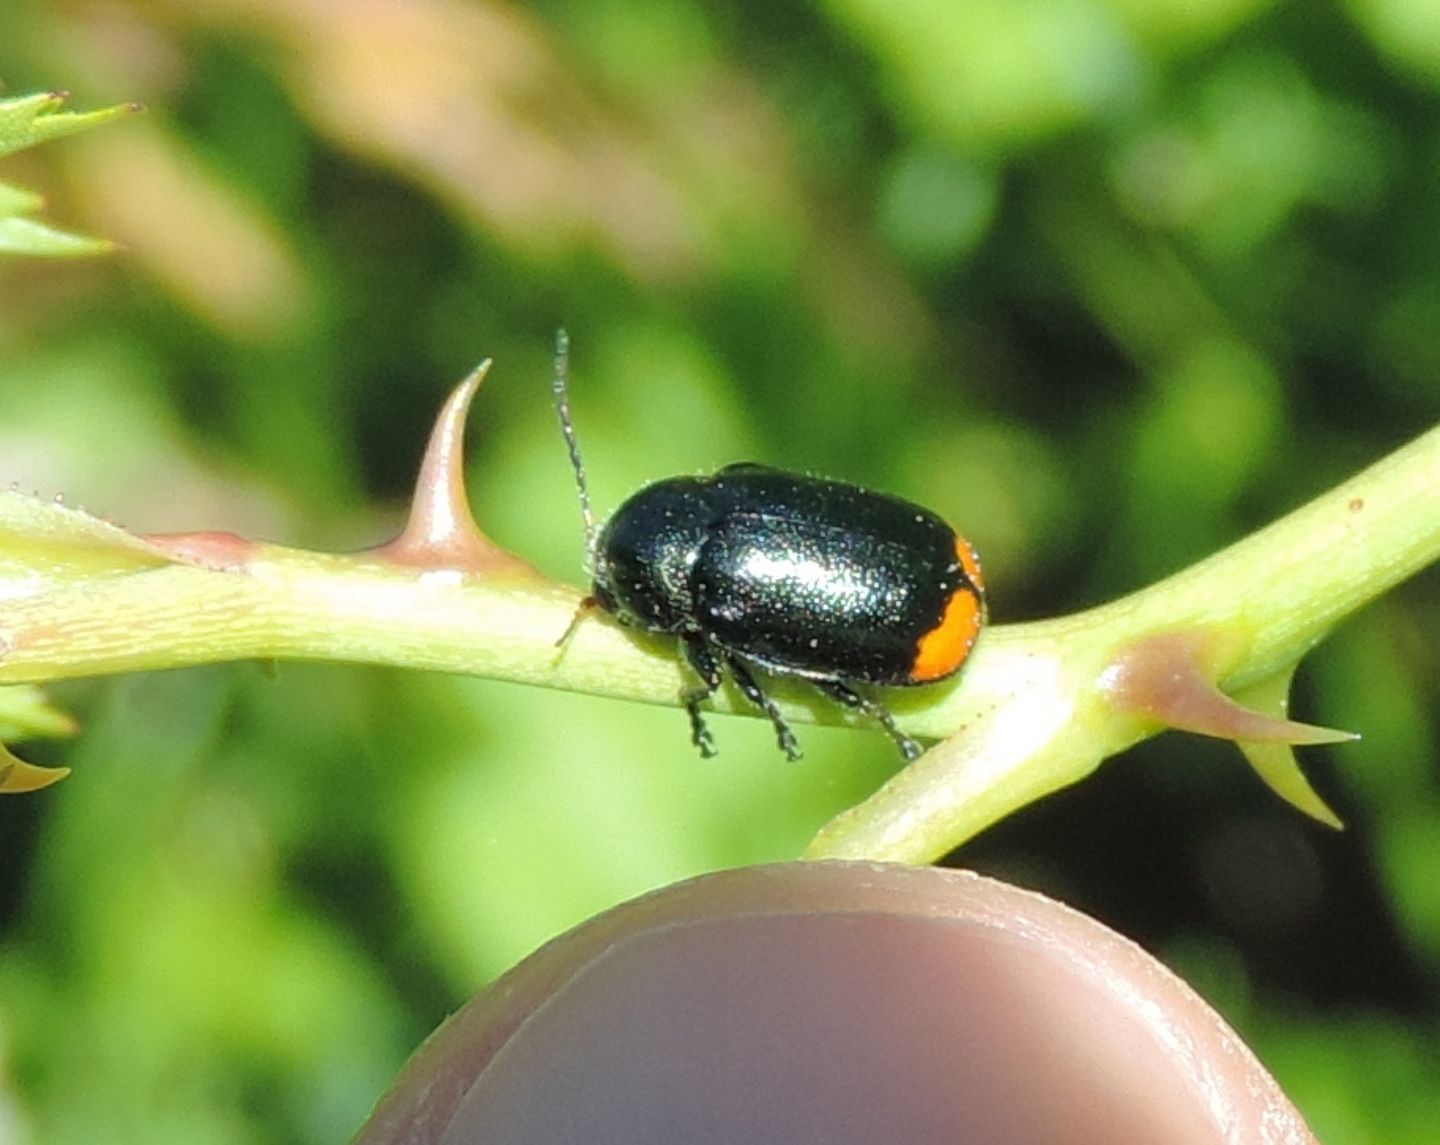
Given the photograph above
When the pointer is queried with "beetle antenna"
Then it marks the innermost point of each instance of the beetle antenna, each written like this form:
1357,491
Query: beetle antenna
562,403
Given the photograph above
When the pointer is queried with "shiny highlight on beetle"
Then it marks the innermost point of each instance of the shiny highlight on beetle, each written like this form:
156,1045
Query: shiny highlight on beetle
758,571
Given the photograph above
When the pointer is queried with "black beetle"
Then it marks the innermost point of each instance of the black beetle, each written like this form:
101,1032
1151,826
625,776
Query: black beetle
797,575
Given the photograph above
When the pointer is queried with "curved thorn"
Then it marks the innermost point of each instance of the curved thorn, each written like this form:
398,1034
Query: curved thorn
1277,766
441,532
1163,679
17,776
1275,763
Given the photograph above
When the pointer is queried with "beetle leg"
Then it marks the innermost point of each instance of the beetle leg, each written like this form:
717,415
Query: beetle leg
872,708
702,663
746,682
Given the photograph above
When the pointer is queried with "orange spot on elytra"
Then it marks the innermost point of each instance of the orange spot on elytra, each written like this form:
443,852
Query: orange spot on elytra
944,648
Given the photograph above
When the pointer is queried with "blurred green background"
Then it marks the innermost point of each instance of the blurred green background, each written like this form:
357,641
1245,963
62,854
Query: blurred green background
1107,282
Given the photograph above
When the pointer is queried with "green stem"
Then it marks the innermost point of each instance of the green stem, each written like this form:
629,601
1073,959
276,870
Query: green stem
1034,709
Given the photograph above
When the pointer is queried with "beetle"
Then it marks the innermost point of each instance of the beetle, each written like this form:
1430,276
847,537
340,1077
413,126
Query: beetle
758,568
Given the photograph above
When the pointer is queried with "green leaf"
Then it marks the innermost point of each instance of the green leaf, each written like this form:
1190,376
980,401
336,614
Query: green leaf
25,236
31,119
18,201
25,122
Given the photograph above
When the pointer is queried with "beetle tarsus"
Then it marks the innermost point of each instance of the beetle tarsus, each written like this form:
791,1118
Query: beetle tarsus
702,663
746,682
875,710
699,734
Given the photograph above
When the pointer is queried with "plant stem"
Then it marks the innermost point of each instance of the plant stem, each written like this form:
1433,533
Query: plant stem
1034,710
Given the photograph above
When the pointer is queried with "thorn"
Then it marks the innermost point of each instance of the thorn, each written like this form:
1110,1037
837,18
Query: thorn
1163,679
1275,763
17,776
441,532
